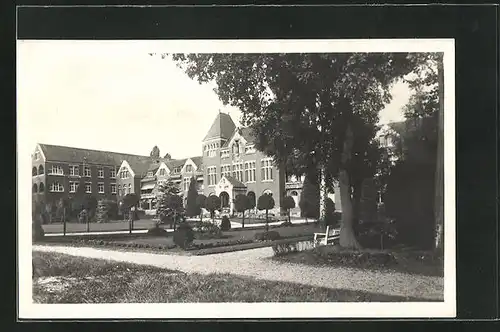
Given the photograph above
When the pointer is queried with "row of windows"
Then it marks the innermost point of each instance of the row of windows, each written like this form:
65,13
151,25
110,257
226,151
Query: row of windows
73,171
246,174
236,150
73,187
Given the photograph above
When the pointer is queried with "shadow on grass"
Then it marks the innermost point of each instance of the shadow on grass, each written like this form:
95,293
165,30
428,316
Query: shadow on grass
376,260
67,279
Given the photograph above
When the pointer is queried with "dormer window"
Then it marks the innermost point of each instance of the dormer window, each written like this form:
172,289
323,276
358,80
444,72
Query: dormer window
150,174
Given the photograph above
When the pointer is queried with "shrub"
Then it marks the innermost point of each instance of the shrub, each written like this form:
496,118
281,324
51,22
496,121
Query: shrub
208,228
157,231
266,202
83,216
102,212
212,203
330,217
309,198
183,235
241,204
267,236
287,204
286,223
225,224
37,229
192,206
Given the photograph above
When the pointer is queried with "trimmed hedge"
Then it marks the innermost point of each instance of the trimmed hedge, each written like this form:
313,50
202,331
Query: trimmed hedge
225,224
183,236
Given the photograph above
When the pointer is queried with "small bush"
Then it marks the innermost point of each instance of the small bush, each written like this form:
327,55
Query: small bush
208,229
286,224
157,231
225,224
183,236
267,236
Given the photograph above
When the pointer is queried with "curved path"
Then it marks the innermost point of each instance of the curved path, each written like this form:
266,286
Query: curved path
253,263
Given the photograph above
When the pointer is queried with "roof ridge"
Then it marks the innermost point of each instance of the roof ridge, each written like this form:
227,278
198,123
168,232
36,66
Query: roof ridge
93,150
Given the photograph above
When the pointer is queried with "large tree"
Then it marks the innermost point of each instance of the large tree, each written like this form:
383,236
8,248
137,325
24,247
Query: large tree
427,81
192,207
155,152
318,95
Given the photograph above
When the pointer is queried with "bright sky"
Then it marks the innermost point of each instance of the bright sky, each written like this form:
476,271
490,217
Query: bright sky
114,96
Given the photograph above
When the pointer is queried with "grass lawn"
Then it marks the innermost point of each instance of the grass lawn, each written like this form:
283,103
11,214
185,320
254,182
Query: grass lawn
68,279
296,231
406,261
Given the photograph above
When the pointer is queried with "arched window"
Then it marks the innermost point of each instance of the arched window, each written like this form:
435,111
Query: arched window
35,188
294,193
40,170
33,171
224,199
41,188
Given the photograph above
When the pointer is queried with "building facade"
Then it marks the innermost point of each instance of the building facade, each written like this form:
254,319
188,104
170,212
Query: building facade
58,171
233,165
229,165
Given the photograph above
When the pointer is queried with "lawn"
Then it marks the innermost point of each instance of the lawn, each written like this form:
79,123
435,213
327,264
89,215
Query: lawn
62,278
415,262
244,234
234,240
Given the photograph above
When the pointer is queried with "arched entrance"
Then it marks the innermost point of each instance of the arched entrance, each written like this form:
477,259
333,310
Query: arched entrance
224,199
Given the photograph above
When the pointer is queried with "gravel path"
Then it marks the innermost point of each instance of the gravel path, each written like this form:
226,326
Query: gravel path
252,263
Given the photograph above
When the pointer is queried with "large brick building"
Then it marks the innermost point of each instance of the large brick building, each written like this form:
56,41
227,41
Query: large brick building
57,171
230,164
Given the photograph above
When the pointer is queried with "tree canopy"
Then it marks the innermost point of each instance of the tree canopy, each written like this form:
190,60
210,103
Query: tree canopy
310,112
155,152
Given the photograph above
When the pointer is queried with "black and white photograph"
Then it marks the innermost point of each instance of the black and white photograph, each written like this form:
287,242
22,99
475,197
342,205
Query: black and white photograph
236,178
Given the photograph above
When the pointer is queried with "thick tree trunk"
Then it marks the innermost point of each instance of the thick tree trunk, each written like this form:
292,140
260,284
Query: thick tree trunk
243,220
347,236
439,179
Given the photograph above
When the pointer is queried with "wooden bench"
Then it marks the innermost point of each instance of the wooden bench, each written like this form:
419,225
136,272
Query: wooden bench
328,236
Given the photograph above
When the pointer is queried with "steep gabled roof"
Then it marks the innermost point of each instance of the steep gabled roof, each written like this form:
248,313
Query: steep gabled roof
173,163
140,166
198,161
245,132
77,155
222,127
